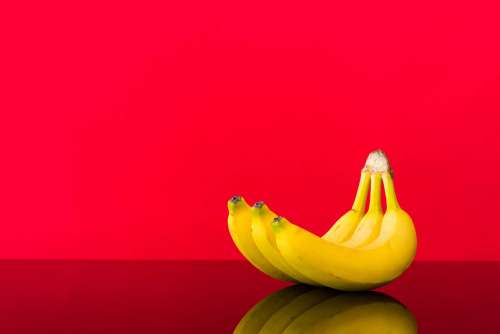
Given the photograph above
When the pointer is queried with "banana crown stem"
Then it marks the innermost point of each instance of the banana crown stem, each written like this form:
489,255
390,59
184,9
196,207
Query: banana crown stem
377,162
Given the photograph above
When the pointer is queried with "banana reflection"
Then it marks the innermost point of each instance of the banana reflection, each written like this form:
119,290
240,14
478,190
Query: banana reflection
306,309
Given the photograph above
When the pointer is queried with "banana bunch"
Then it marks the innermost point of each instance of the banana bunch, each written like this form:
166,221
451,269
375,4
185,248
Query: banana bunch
361,251
305,309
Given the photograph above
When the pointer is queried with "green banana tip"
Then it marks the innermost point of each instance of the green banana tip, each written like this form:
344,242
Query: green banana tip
234,202
277,223
259,205
235,199
259,208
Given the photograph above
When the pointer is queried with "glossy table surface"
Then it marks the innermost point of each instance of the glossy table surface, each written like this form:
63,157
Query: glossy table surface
212,296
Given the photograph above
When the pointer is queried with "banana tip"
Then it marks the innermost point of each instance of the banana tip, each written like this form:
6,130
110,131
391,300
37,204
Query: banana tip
234,202
235,199
258,205
277,223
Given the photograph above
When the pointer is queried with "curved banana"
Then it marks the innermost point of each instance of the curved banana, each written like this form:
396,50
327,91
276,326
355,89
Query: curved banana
342,230
345,226
360,252
264,239
256,317
369,226
239,224
361,268
263,252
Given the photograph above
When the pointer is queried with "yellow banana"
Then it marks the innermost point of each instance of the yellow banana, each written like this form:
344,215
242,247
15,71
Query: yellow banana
342,230
264,239
239,224
369,226
371,265
361,251
345,226
256,317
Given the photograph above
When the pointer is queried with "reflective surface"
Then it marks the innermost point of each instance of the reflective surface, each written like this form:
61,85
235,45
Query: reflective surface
305,309
213,297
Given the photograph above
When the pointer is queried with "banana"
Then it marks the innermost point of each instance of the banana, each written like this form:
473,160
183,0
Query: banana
355,313
368,266
256,317
239,224
265,241
283,317
345,226
369,227
360,252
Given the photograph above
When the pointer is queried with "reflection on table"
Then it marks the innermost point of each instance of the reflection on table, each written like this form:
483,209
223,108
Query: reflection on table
307,309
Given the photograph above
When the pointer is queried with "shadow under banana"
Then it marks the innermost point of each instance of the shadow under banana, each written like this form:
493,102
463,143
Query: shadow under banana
307,309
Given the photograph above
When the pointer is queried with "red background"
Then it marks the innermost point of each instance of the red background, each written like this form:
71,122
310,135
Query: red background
124,127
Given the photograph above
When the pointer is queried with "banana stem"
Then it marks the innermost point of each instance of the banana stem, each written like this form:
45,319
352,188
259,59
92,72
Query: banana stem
375,200
390,193
362,192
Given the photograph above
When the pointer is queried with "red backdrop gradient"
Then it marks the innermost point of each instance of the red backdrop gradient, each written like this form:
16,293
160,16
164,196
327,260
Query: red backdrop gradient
125,127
